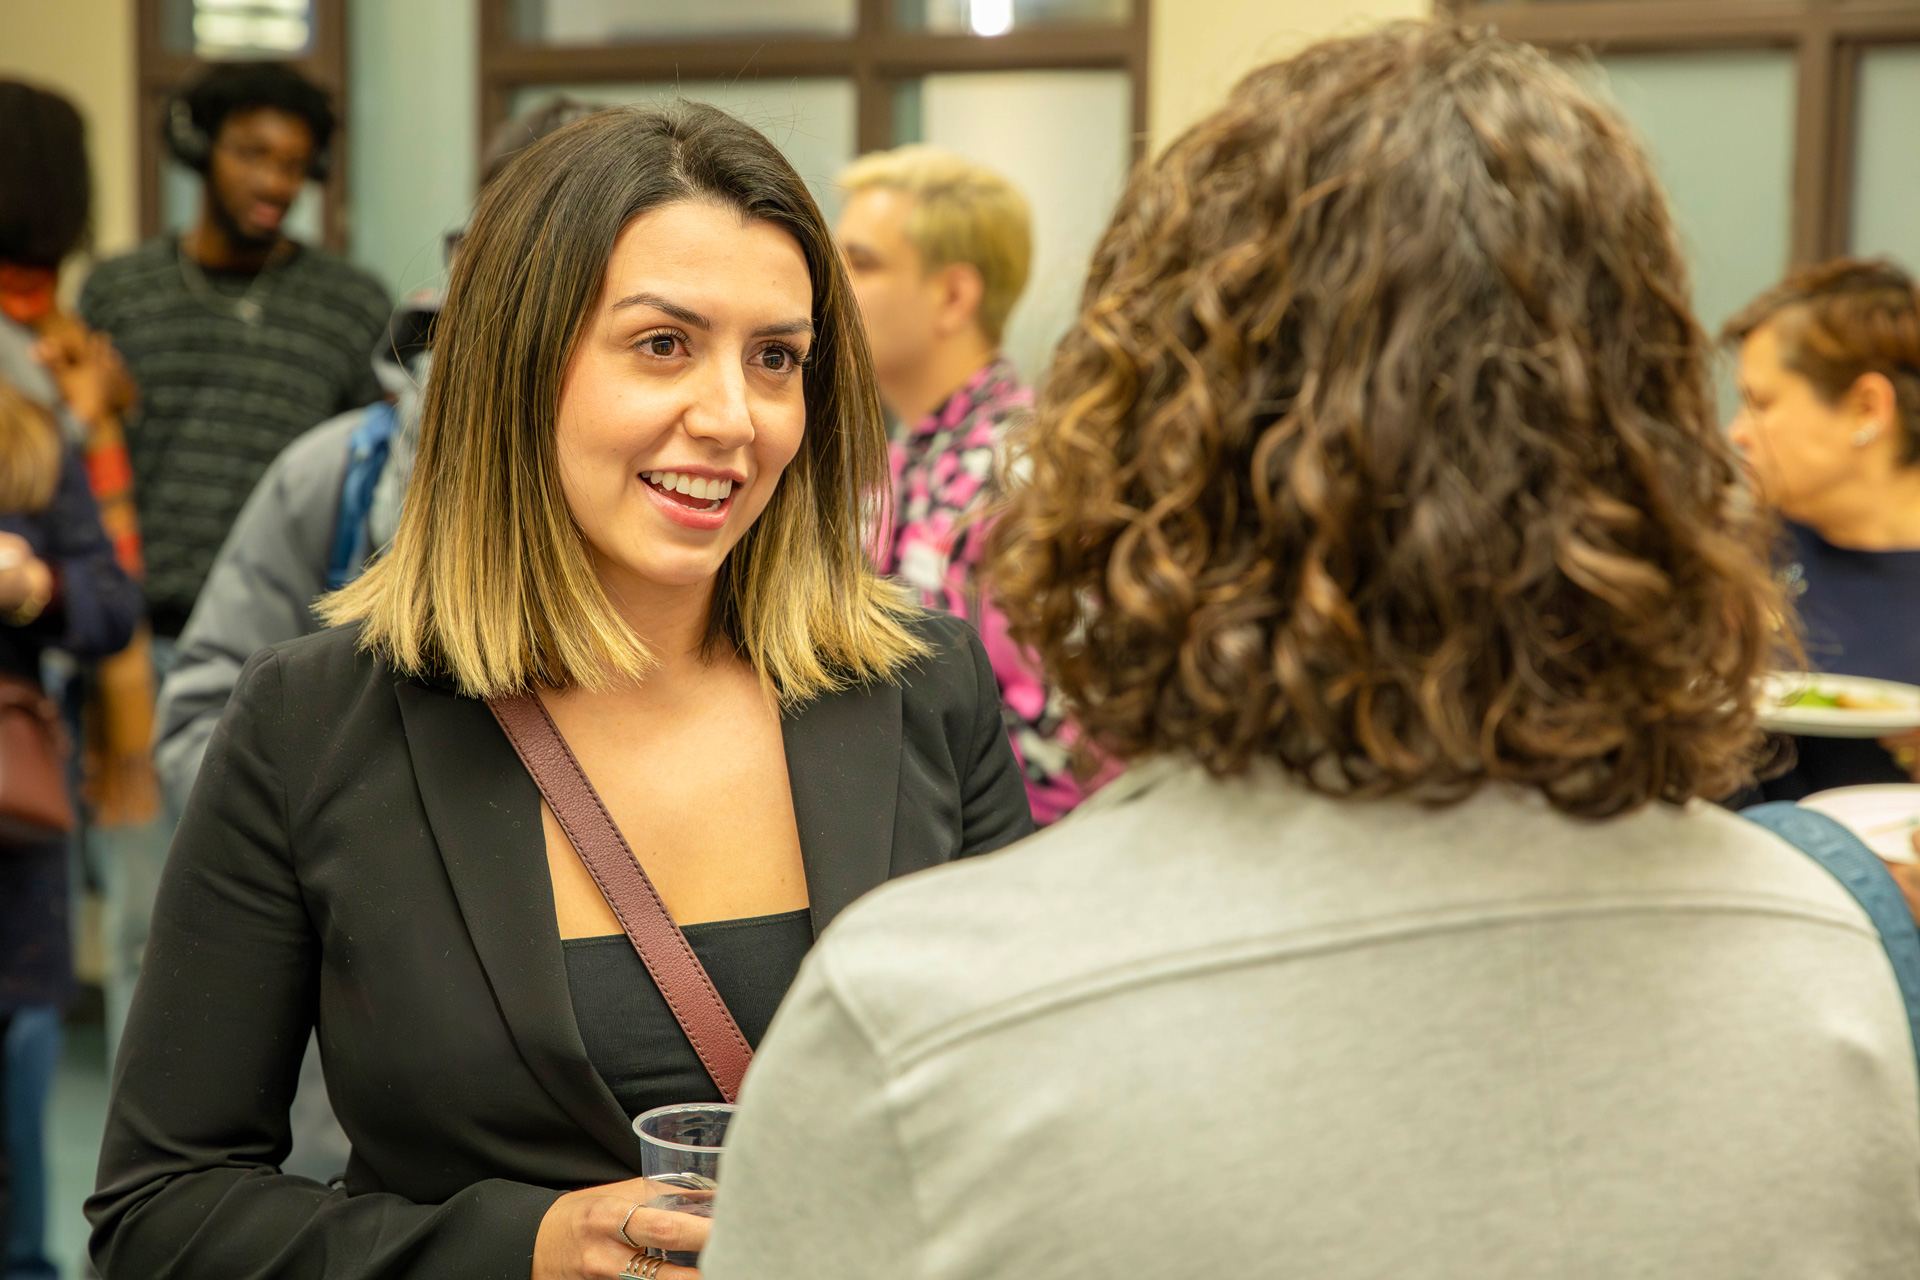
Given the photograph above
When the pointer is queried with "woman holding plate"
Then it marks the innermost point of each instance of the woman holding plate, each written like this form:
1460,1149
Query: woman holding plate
1829,426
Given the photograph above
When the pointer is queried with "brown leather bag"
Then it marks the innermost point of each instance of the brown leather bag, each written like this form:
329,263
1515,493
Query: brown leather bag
35,805
682,979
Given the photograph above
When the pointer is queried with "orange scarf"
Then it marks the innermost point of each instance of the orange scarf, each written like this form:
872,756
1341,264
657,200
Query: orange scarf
26,293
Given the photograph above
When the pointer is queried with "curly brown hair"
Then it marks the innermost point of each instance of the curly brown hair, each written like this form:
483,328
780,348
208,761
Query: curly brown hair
1840,321
1384,447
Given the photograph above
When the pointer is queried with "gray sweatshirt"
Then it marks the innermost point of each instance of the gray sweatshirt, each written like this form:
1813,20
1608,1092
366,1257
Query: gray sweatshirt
1236,1030
271,570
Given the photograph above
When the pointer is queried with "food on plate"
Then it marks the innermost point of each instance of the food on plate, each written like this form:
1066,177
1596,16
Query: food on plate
1814,696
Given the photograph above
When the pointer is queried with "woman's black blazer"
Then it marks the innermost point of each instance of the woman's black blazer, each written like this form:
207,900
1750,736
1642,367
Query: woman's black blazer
363,852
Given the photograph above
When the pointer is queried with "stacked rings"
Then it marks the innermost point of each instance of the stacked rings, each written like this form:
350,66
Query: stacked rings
640,1266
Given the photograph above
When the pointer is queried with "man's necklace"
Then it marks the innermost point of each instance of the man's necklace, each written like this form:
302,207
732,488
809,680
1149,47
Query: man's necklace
249,308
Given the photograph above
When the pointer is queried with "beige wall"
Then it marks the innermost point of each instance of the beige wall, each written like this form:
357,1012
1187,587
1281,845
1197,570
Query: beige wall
1201,47
85,49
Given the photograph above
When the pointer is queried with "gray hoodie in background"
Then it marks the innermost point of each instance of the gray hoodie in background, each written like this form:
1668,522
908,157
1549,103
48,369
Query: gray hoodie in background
273,567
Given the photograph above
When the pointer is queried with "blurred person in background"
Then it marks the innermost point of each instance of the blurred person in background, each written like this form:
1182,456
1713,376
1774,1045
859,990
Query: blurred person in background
1829,427
938,249
60,586
329,502
239,337
1379,515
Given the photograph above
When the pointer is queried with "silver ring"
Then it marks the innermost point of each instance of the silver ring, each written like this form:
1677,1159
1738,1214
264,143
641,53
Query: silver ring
631,1242
647,1268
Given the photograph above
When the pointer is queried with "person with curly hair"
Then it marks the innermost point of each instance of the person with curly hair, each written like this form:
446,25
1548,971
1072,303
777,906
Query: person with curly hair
1376,511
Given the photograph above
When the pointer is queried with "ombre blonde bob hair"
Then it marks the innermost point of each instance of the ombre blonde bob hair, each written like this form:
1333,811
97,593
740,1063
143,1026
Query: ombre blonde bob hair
489,581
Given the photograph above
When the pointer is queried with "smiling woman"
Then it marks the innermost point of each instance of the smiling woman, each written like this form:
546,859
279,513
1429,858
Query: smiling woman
635,517
675,293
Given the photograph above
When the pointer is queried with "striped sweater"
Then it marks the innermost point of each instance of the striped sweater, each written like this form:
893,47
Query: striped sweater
220,398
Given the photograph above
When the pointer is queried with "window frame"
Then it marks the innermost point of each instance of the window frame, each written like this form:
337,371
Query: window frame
161,72
1826,37
875,57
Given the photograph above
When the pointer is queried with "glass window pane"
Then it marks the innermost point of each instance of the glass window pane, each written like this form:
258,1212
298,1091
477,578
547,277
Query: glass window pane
233,29
997,17
1720,126
811,120
1886,181
180,204
625,21
1072,172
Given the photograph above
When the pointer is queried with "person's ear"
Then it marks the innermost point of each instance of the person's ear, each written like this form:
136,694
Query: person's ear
1874,406
961,288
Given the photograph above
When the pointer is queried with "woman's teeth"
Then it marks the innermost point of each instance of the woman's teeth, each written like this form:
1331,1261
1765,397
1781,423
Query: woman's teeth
698,487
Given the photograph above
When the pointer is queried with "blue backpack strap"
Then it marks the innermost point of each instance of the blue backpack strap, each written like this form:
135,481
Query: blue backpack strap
367,451
1858,868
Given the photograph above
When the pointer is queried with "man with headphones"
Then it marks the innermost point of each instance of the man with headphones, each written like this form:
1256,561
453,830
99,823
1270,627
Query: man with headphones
239,337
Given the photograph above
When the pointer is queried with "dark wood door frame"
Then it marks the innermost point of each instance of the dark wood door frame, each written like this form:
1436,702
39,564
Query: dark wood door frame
876,57
1827,38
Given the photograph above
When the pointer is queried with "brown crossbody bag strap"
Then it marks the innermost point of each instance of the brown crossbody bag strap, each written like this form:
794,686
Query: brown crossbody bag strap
676,970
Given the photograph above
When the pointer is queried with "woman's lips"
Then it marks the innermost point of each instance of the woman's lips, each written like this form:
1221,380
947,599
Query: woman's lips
690,510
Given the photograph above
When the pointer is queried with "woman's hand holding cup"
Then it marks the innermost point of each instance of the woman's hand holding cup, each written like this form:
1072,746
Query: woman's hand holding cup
581,1236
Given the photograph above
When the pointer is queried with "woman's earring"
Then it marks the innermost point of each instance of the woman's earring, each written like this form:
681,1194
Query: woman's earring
1866,435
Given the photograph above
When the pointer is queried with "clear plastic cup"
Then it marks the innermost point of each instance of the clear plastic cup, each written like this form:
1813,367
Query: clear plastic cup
680,1150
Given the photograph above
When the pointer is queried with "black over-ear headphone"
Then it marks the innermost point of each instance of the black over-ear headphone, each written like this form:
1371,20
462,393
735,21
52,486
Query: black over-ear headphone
193,148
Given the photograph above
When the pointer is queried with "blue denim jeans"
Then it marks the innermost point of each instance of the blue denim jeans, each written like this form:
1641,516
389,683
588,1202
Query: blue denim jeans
32,1049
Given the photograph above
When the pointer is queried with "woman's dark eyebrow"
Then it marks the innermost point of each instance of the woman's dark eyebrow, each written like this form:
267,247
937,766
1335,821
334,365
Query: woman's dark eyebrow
693,319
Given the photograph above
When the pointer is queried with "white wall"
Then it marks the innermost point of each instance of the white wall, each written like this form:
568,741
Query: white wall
1886,191
1719,126
810,120
414,81
1071,173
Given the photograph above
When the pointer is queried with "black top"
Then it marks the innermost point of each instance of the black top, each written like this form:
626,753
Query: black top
633,1039
1861,610
363,853
220,398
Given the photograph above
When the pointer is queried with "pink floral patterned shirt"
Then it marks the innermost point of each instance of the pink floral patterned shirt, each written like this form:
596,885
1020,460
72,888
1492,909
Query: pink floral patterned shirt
942,469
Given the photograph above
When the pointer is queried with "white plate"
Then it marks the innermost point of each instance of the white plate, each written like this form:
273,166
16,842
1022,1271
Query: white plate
1901,713
1884,815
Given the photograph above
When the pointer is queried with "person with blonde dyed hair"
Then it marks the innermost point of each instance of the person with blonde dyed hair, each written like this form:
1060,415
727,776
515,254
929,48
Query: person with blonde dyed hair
630,556
938,249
